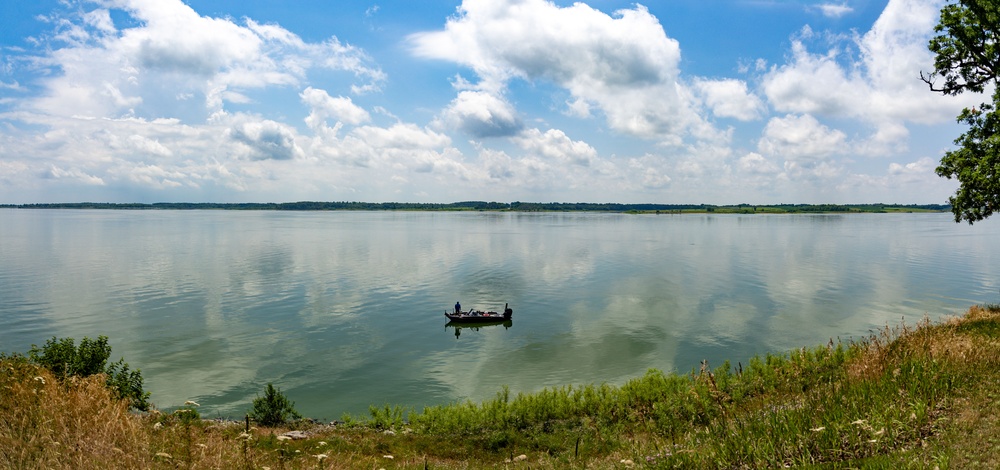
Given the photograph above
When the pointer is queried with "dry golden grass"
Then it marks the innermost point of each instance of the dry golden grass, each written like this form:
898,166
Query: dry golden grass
45,423
948,341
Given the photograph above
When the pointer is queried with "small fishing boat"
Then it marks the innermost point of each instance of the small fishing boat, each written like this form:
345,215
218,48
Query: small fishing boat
478,316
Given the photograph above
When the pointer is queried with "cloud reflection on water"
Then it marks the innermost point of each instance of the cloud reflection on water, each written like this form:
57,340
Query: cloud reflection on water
342,310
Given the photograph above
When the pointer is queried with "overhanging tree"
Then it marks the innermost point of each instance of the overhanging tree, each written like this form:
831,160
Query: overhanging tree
967,59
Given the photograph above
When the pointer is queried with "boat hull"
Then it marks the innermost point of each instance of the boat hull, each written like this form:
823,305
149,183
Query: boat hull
480,317
485,317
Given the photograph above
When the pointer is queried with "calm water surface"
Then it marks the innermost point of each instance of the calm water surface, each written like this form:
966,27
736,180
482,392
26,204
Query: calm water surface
344,309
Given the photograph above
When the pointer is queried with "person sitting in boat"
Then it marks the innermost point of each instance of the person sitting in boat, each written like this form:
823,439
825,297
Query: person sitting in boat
458,308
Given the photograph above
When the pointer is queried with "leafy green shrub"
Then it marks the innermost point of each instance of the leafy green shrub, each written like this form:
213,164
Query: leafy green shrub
65,359
387,417
273,408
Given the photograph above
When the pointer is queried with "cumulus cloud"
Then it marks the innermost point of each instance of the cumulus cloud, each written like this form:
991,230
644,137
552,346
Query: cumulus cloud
175,38
265,140
913,171
730,98
872,77
323,106
801,138
99,70
624,65
401,136
550,162
482,114
556,146
755,164
159,102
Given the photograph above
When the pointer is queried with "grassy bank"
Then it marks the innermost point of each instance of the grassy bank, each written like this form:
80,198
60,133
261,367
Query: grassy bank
915,396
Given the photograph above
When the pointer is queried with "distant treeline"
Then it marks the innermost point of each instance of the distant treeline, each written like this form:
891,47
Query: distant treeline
493,206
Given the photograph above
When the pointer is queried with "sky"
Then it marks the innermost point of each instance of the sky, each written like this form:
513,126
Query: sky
669,101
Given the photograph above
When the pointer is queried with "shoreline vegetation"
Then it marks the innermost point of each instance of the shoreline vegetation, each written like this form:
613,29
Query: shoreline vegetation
910,396
502,206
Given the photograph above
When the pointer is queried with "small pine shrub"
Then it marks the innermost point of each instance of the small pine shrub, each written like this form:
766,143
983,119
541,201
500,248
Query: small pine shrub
274,408
65,359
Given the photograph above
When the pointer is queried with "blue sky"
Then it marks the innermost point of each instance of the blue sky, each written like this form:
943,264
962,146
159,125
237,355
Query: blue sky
682,101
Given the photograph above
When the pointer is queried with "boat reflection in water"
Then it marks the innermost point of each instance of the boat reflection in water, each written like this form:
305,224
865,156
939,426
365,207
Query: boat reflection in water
459,326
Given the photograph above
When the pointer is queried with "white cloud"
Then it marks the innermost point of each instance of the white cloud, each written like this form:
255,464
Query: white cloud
147,146
554,145
323,106
815,84
174,38
801,138
264,140
549,162
625,65
649,172
913,171
482,114
880,87
155,177
900,178
401,136
11,86
835,10
73,174
730,98
497,164
150,100
391,151
817,175
755,164
98,70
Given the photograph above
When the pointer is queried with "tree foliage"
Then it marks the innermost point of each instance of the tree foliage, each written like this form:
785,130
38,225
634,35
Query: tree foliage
967,59
274,408
65,359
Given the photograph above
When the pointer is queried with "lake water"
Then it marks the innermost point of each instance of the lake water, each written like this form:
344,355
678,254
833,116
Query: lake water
345,309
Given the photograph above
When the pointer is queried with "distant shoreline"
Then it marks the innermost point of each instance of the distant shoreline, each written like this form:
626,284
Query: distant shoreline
502,207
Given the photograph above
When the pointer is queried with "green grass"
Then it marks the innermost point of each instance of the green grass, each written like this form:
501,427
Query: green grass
919,396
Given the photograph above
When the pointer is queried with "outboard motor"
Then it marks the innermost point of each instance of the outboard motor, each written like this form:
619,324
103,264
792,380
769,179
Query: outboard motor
507,312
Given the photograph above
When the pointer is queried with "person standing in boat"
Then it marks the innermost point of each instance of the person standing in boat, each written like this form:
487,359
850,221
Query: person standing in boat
458,308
